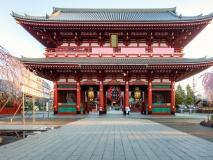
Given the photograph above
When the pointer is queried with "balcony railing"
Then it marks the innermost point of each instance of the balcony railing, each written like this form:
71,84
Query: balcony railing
104,52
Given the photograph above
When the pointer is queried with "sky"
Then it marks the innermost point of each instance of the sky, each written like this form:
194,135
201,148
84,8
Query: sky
19,42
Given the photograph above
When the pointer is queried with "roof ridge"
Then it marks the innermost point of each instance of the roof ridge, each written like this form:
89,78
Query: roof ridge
114,9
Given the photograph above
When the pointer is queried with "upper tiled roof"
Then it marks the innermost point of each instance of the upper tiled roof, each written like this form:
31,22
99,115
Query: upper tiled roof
116,61
114,15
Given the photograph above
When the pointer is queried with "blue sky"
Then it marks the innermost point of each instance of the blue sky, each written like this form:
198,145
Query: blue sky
14,38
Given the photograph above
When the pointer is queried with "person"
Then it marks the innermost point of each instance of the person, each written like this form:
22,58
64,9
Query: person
127,110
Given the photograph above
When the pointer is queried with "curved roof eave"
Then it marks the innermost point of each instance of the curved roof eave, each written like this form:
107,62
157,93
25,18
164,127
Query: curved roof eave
109,61
48,18
81,21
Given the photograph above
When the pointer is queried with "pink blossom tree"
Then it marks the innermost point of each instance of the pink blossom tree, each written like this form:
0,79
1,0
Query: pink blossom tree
11,73
207,83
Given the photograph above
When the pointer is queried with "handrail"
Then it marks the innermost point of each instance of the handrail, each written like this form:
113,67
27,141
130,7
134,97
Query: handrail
89,49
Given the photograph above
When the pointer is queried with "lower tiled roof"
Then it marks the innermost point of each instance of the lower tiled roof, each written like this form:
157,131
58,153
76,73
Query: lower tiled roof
114,61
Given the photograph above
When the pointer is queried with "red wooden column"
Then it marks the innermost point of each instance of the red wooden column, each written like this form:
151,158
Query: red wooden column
78,104
126,95
104,102
173,97
84,102
102,108
149,97
55,98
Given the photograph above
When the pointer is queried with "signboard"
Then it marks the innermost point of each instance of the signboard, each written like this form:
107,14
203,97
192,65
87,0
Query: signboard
113,40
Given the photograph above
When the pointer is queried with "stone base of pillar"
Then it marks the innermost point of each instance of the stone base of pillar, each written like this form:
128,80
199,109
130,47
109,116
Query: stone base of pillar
55,112
101,112
78,112
149,113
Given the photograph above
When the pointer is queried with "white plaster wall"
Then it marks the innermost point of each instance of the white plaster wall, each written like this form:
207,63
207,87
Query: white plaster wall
166,80
156,80
121,45
133,44
143,44
64,44
163,44
106,45
155,44
73,44
134,79
71,80
85,44
95,44
62,80
85,80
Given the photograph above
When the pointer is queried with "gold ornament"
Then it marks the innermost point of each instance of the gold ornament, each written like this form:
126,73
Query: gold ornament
91,95
137,94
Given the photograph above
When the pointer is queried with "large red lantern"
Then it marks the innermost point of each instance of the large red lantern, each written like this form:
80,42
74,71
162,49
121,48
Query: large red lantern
113,94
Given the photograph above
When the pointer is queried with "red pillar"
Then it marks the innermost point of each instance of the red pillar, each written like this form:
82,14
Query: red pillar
149,97
102,108
55,98
145,102
78,101
84,100
104,102
126,95
173,97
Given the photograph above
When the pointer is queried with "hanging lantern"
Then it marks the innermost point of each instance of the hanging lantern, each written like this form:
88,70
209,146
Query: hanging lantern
136,94
113,94
91,94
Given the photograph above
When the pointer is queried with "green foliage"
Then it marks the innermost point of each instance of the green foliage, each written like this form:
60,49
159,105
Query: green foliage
189,99
178,100
182,97
189,95
179,95
28,104
181,91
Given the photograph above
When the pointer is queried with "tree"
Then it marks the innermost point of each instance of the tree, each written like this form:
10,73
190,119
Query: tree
189,99
207,83
11,77
189,95
178,100
179,96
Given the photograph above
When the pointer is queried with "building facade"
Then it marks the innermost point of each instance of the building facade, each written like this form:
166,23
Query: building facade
115,57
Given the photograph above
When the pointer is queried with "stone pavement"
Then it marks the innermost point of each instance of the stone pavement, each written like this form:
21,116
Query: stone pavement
107,138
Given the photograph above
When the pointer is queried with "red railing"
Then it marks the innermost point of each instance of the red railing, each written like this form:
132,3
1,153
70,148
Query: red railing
116,52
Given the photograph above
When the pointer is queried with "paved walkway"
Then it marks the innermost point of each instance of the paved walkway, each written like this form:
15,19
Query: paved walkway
108,138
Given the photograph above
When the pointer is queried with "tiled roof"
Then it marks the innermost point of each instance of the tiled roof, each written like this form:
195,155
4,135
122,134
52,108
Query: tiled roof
114,61
114,15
